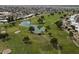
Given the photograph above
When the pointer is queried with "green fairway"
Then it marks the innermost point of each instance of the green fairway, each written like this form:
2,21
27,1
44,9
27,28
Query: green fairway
40,43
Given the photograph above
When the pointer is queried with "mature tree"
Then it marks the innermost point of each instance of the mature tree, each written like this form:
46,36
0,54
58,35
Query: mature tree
59,24
14,23
68,29
59,12
54,42
51,13
4,36
10,18
73,27
50,34
36,14
65,15
40,21
60,47
61,17
42,17
26,40
48,27
46,30
67,18
70,33
31,29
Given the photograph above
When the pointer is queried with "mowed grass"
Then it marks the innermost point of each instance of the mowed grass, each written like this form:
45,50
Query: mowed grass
40,43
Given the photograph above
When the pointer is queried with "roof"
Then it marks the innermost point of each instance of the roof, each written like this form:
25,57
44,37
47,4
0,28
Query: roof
3,20
5,13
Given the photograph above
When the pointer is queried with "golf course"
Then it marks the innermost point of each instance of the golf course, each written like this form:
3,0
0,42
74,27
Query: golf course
39,44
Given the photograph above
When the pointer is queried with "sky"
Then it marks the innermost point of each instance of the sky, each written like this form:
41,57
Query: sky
39,2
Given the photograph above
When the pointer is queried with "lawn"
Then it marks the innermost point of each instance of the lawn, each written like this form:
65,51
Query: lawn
40,43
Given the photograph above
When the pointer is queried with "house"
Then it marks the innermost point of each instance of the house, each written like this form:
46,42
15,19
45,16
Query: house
4,16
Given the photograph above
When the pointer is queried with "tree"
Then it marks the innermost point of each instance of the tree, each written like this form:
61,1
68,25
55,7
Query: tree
40,21
36,14
50,34
60,47
73,27
4,36
42,17
46,30
48,27
26,40
65,15
31,29
61,17
67,18
59,12
69,29
54,42
10,18
70,34
59,24
51,13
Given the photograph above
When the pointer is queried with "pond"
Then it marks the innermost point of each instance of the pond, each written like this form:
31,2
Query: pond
38,30
25,23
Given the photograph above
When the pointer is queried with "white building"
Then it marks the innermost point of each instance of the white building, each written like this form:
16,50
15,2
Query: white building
4,16
25,16
74,20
